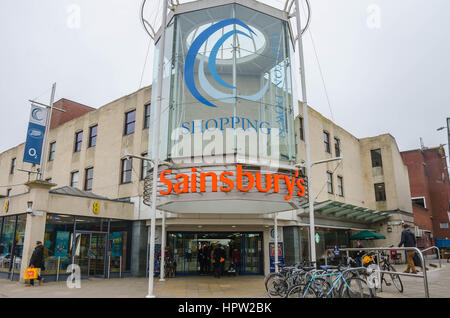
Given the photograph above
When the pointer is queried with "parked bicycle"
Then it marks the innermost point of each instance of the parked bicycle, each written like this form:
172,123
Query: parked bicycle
385,266
334,281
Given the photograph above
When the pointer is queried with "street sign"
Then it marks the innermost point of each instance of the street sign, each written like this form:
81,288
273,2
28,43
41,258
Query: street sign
35,135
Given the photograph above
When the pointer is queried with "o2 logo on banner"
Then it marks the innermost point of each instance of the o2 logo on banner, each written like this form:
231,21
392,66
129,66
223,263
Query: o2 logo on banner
204,83
35,135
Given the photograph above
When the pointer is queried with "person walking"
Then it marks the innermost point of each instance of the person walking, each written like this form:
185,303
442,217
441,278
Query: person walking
37,261
408,239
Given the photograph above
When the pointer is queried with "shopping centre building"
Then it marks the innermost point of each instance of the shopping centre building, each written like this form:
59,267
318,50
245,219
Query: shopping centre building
232,136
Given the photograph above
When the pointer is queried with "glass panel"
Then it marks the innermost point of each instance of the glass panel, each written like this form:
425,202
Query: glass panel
58,240
210,86
120,244
81,255
97,254
91,224
192,252
6,243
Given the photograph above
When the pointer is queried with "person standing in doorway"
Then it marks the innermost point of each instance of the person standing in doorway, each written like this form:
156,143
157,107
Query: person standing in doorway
408,239
236,260
37,261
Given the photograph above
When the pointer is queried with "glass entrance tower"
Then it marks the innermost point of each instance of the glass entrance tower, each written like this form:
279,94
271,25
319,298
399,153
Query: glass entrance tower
227,86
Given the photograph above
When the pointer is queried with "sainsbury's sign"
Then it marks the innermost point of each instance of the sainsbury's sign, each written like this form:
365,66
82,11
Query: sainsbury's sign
188,183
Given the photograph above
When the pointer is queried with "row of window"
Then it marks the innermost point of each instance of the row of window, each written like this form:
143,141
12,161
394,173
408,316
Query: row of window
125,176
340,184
326,140
129,128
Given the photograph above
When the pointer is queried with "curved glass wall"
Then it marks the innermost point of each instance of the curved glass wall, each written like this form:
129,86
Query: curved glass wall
226,78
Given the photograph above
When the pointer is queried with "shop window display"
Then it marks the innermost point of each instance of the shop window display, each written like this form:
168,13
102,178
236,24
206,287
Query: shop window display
58,242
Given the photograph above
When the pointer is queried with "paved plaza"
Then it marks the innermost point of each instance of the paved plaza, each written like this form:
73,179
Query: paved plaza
201,287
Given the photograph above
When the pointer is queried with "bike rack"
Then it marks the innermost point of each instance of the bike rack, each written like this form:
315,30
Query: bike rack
378,249
438,252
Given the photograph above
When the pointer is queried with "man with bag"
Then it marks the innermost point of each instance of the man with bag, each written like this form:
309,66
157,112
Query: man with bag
37,261
408,240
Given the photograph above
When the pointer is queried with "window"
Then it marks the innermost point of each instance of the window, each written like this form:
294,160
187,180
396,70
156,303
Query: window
302,136
144,167
78,140
340,184
380,193
13,166
74,179
126,170
326,140
51,153
8,192
147,116
419,201
376,158
89,176
330,182
337,147
130,120
93,136
443,225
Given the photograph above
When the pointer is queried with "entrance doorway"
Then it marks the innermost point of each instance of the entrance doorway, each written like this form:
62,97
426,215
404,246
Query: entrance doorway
185,249
90,253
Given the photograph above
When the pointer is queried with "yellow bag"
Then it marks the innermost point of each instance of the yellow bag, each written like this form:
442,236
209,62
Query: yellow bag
31,273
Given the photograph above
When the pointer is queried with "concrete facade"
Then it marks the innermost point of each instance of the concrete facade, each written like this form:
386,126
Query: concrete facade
105,157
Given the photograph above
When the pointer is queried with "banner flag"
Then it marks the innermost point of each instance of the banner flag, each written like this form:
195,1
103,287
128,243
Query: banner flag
35,135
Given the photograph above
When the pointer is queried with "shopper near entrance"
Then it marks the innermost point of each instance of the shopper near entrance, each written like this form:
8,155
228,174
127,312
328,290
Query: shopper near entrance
408,240
236,260
219,260
37,261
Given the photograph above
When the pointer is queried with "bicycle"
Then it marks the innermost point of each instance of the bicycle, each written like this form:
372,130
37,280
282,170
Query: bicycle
386,266
347,284
277,284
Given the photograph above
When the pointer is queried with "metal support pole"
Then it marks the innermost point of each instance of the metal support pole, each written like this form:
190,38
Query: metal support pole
163,248
151,266
109,265
57,268
12,270
275,233
47,129
120,266
306,123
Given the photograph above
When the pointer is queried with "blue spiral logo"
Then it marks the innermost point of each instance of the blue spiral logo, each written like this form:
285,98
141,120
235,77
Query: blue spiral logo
203,81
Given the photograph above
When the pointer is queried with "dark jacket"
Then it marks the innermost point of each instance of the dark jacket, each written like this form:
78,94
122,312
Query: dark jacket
408,239
37,258
218,253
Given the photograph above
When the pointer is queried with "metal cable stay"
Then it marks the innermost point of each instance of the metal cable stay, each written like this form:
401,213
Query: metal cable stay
150,30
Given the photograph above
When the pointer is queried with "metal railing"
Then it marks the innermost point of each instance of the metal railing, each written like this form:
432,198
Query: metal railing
378,249
438,252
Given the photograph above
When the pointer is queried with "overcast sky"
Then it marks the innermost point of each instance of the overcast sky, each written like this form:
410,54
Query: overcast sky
385,62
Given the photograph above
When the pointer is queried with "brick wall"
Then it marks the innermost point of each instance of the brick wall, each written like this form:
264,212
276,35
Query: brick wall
72,110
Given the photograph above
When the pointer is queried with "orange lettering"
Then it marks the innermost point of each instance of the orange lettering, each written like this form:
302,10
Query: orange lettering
184,184
268,182
203,176
226,181
300,183
166,182
239,176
